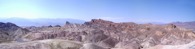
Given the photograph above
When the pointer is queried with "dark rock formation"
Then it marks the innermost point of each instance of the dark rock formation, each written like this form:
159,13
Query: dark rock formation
8,26
57,26
50,26
10,32
67,23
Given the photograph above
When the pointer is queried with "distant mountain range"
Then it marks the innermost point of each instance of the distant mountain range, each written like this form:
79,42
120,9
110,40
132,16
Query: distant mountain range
41,21
62,21
188,25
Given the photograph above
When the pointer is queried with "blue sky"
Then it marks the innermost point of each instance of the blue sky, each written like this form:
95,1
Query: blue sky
114,10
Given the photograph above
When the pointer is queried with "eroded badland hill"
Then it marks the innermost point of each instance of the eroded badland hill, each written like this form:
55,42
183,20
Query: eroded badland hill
96,34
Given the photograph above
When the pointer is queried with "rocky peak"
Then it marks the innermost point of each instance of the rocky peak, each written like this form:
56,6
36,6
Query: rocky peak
98,21
10,31
67,22
8,26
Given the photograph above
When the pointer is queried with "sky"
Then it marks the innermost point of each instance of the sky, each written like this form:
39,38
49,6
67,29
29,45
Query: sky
113,10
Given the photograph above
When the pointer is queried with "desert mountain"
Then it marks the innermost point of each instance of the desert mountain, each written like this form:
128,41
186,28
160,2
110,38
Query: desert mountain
10,31
41,21
102,34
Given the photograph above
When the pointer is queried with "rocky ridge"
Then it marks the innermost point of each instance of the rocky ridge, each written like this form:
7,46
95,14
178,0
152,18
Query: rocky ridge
102,34
187,25
10,31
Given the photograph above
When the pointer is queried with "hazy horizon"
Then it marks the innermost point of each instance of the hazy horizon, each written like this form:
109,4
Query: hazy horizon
164,11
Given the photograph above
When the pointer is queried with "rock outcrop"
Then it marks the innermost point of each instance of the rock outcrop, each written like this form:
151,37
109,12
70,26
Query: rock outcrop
10,32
